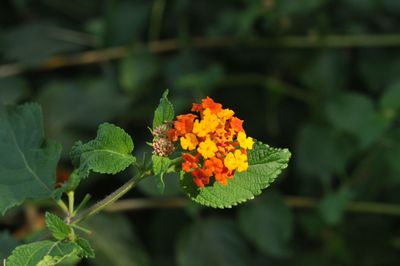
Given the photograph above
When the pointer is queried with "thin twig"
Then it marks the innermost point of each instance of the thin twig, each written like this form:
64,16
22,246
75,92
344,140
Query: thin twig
292,201
107,201
170,45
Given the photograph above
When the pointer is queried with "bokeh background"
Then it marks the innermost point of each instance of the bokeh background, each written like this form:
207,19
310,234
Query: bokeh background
320,77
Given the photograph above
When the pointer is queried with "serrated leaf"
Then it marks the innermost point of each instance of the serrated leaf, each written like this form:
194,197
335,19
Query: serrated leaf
109,153
27,162
164,111
160,167
43,253
265,164
59,229
87,250
212,242
72,183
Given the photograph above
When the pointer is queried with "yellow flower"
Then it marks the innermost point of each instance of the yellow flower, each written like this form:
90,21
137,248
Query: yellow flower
207,148
208,124
200,128
189,141
244,142
236,160
225,114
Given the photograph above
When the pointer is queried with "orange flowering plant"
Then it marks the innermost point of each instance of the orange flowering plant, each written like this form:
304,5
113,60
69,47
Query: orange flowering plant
219,164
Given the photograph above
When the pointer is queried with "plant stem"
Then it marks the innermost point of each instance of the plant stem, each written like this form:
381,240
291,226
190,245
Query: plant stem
110,199
299,202
83,203
87,231
169,45
156,19
71,199
63,207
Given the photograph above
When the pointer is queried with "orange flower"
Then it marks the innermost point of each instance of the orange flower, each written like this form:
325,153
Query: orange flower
189,161
210,104
217,139
173,134
184,123
236,124
197,108
201,177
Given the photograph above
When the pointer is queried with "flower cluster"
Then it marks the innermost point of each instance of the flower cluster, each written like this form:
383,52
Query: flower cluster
215,140
162,145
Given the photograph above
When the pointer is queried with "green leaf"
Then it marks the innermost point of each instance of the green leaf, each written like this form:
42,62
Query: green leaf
327,73
150,186
268,224
115,242
43,253
59,229
390,101
109,153
160,167
314,161
211,242
87,250
7,244
332,206
72,183
164,111
136,70
79,104
12,90
265,164
27,163
32,42
355,114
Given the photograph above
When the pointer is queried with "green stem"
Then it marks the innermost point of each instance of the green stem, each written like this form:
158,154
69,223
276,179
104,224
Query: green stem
62,205
110,199
298,202
71,199
87,231
156,19
83,203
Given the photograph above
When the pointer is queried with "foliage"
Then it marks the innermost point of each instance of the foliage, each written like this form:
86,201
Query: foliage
28,163
109,153
320,77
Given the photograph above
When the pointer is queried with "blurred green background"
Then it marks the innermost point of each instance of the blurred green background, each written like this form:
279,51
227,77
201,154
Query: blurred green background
320,77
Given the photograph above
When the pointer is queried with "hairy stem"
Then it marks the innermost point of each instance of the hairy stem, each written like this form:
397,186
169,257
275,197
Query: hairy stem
71,203
62,205
110,199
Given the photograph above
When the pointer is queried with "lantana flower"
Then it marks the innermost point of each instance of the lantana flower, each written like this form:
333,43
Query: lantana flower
214,142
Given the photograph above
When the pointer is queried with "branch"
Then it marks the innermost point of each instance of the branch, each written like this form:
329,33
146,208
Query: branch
170,45
293,201
107,201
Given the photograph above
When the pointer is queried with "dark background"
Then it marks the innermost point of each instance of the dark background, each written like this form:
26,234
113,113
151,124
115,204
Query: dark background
320,77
